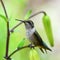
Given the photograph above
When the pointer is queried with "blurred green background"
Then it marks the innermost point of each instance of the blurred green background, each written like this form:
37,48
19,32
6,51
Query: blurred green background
18,9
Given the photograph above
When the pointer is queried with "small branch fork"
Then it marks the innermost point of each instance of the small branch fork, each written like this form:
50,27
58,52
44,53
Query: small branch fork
8,57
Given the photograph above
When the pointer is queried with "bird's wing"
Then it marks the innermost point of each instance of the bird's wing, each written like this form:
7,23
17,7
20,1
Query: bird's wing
41,42
39,39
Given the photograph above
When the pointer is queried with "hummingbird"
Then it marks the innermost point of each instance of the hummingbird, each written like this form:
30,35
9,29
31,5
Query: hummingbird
34,36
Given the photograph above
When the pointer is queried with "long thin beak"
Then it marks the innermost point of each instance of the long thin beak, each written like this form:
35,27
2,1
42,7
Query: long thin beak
20,20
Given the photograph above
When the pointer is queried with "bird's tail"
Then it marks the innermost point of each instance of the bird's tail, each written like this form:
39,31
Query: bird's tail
44,47
47,48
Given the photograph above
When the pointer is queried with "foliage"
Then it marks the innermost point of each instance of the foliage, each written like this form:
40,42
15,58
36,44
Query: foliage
34,55
48,29
14,38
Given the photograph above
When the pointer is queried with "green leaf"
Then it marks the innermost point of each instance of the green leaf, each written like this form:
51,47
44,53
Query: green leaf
3,17
33,55
48,29
28,15
21,43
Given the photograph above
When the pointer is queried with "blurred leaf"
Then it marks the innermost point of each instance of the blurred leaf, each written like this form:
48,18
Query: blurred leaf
48,29
28,15
21,43
3,17
34,55
23,4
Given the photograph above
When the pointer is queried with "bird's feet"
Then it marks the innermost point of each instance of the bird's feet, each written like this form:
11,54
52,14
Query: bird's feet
31,46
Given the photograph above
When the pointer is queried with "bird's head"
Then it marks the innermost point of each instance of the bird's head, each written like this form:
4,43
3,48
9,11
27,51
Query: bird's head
28,24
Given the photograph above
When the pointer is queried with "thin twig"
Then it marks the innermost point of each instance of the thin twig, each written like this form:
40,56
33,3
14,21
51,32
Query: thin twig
12,30
18,49
8,33
37,14
4,8
29,18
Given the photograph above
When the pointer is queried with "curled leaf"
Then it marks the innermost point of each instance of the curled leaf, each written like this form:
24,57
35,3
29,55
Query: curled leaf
21,43
33,55
28,15
48,29
3,17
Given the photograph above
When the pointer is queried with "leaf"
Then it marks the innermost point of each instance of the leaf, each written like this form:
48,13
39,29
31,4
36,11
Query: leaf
3,17
21,43
34,55
48,29
28,15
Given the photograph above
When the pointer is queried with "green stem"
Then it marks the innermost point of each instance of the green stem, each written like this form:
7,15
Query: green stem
8,33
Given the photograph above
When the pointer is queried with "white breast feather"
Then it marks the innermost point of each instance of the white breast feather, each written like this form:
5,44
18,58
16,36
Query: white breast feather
30,32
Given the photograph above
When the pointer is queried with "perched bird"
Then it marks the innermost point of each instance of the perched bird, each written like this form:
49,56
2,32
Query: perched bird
34,36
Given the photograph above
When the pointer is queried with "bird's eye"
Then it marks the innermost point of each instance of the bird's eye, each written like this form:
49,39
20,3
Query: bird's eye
32,24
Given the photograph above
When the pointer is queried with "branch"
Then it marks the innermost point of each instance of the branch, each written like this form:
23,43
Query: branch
4,8
30,45
37,14
12,30
8,33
